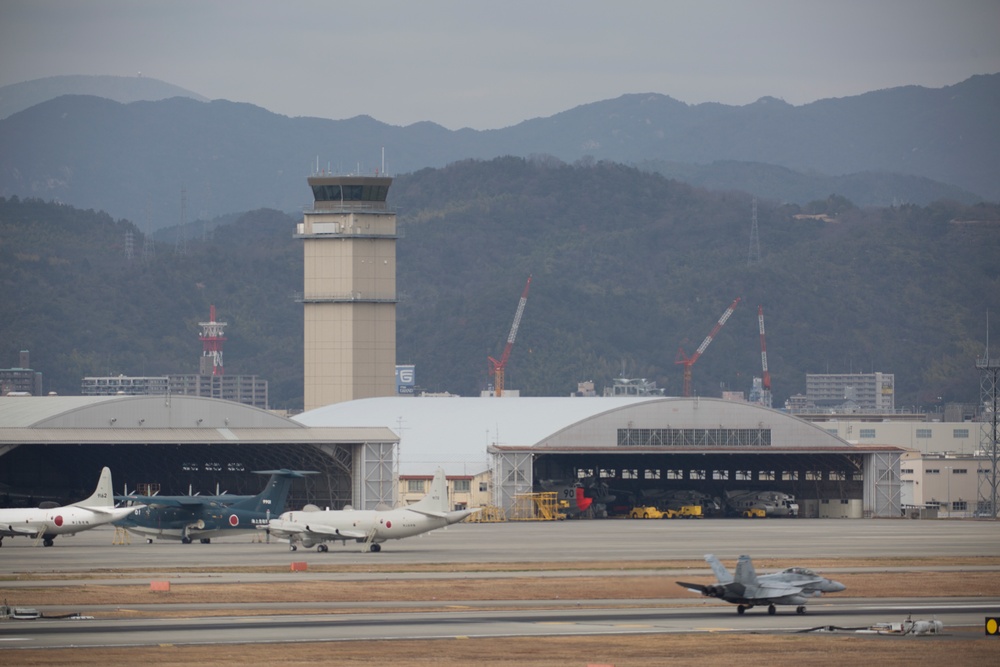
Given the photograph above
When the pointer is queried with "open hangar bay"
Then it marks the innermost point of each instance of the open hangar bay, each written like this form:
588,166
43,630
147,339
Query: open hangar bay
53,448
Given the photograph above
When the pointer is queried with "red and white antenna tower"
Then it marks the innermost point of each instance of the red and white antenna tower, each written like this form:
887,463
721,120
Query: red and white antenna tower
212,338
497,367
687,361
765,396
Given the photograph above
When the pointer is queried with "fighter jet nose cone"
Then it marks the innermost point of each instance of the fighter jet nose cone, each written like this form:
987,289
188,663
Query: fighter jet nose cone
836,587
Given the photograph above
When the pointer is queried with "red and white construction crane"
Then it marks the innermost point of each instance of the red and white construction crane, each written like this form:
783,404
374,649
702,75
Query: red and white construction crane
497,367
765,397
687,361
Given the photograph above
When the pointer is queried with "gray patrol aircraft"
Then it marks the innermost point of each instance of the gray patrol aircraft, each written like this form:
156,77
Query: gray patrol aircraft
795,585
312,526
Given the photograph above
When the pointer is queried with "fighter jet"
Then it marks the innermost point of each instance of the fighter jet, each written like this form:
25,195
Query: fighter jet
794,585
186,518
50,520
311,526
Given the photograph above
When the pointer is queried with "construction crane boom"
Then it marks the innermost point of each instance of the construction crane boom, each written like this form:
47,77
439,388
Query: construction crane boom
763,348
687,361
497,367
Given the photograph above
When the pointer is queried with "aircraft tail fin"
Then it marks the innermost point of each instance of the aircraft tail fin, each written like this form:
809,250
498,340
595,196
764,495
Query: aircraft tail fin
103,495
721,573
745,573
436,499
272,499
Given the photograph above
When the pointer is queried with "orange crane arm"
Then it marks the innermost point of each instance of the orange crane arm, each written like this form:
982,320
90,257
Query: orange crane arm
688,362
497,367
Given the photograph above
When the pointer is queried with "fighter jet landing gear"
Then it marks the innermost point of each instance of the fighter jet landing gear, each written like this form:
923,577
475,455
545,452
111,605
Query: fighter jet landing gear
771,609
149,540
800,609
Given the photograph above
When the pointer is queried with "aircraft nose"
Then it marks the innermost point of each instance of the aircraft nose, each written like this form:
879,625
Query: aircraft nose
835,586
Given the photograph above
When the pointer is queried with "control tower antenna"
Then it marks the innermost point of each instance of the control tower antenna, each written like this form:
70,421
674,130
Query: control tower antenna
212,338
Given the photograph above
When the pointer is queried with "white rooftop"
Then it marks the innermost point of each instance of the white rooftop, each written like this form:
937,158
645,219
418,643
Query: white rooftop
454,432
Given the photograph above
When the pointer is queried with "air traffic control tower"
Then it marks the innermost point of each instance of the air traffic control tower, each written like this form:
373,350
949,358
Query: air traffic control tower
349,292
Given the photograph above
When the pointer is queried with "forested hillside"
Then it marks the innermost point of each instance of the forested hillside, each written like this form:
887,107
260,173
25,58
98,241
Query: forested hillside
627,266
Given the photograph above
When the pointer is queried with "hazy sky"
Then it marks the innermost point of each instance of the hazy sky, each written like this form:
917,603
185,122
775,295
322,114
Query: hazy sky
465,63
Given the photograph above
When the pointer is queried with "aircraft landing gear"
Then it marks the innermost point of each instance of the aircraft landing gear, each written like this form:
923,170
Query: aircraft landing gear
771,609
206,540
149,540
741,610
292,547
47,542
185,540
322,548
375,548
800,609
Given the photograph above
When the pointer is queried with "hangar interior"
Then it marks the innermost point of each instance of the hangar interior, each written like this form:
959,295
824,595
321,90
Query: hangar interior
53,449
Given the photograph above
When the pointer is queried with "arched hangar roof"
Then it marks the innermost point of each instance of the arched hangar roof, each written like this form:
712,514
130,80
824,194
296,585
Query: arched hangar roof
149,419
456,432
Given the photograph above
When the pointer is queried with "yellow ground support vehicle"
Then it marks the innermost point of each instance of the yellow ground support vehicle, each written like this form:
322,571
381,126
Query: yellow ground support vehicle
754,513
644,512
689,512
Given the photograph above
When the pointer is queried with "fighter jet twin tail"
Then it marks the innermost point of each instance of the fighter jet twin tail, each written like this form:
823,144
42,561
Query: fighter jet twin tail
793,586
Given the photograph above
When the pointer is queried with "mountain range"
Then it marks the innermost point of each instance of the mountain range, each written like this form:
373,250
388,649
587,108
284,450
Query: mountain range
167,159
628,269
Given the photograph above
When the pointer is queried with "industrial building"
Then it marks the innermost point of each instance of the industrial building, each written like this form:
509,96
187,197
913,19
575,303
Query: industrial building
21,379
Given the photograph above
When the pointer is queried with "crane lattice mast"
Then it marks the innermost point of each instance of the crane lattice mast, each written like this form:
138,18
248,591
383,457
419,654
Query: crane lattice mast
497,367
688,362
765,397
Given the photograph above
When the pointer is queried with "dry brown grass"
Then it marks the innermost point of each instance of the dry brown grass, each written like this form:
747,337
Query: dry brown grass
620,651
964,647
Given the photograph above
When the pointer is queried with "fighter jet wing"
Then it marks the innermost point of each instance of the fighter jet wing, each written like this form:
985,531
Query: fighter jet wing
771,590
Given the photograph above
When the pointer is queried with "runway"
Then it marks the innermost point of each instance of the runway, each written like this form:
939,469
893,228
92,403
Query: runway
517,542
464,622
91,555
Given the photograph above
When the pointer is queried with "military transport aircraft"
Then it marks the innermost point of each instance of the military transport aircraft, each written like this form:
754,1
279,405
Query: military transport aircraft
186,518
794,585
47,521
312,526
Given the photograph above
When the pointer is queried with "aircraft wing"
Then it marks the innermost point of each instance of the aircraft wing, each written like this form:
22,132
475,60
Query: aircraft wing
771,590
185,502
694,588
11,530
289,528
334,532
108,510
430,513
